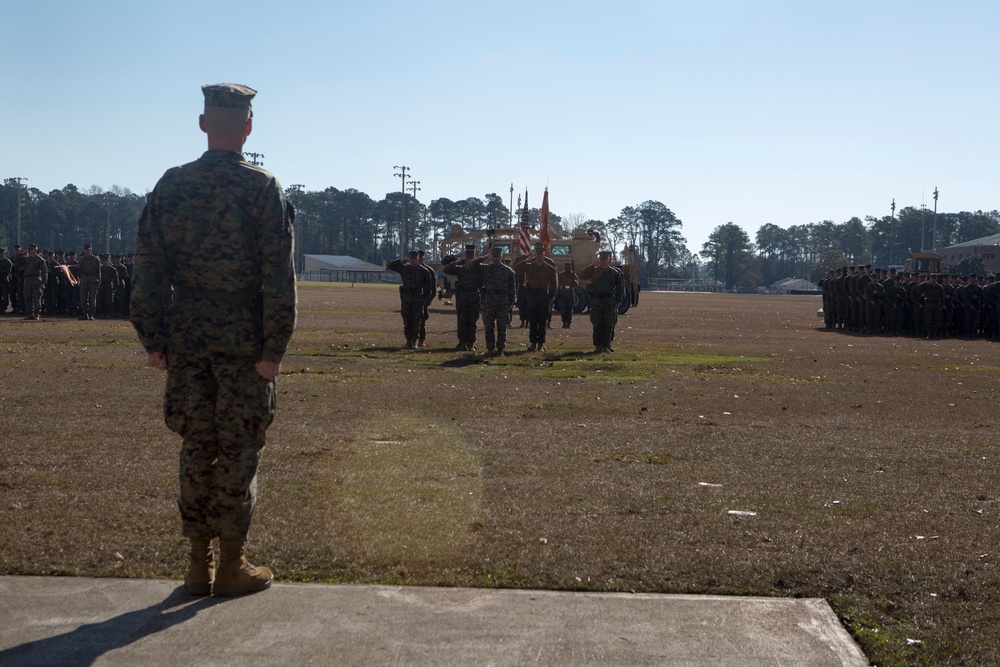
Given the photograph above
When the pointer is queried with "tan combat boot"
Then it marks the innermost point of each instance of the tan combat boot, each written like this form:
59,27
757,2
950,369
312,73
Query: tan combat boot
201,571
236,575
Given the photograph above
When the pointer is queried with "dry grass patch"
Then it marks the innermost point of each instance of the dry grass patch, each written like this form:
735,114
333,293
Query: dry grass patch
868,462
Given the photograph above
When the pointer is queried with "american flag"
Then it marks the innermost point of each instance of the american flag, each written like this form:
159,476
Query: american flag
523,236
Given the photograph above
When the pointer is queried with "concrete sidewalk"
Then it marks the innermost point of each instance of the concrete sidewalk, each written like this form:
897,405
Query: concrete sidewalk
78,621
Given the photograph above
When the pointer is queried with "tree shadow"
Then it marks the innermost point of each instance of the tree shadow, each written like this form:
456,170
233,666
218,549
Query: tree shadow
87,643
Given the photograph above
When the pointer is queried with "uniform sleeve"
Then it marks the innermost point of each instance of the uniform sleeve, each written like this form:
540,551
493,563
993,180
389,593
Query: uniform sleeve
278,273
149,280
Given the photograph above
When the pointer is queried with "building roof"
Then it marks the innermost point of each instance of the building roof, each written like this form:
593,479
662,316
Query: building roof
986,240
344,263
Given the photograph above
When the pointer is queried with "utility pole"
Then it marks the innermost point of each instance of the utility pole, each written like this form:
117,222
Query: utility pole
402,223
256,159
296,188
892,225
934,226
107,230
413,188
16,183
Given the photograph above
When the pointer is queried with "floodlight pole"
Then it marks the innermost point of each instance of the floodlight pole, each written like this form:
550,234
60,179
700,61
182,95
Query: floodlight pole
256,159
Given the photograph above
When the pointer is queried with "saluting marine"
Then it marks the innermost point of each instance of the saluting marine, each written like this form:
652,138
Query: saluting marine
499,295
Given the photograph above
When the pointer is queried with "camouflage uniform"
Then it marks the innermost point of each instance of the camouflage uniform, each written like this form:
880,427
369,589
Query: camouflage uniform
467,299
566,295
540,285
107,290
89,267
5,268
219,232
35,272
415,292
608,290
499,294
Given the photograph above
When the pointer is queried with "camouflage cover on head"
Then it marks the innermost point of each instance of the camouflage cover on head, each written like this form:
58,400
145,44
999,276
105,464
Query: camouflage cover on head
228,96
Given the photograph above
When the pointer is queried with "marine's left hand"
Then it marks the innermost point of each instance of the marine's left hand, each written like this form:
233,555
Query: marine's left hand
157,360
268,369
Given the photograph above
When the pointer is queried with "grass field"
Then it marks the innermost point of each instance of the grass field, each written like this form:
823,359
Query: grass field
870,462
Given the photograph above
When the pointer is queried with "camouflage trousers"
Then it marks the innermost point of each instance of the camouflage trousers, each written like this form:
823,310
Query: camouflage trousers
413,317
33,290
604,316
88,297
221,407
467,312
496,317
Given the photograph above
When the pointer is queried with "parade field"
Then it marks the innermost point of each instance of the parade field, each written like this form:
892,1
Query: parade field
730,445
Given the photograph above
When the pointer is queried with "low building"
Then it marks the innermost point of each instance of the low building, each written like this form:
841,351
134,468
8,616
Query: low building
345,269
987,247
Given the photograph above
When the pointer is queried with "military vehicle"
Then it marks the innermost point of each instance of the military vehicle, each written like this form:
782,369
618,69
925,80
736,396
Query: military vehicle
579,248
925,263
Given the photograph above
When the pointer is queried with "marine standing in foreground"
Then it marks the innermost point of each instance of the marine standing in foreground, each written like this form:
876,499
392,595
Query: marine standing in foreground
219,232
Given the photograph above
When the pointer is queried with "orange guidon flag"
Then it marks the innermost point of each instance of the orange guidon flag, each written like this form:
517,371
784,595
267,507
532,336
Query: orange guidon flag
543,233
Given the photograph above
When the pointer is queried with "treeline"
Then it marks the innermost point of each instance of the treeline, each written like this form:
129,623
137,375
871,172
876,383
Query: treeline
350,222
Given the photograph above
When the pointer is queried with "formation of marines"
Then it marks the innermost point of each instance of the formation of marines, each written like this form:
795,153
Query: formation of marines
487,287
36,283
878,302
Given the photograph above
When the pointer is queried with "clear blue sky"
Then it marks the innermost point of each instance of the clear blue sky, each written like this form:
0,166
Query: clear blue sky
783,112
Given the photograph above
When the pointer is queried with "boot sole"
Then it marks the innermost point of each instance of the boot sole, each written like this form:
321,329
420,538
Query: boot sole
226,591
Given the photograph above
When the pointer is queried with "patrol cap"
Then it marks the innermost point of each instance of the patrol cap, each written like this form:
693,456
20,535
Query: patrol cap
539,246
470,248
496,251
32,246
228,96
87,246
412,254
605,254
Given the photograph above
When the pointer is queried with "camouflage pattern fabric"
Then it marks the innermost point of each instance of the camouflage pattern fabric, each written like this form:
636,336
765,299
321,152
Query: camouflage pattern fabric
221,407
608,290
499,288
33,284
214,289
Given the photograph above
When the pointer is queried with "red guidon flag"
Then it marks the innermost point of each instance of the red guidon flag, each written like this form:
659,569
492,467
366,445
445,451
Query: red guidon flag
543,234
523,235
